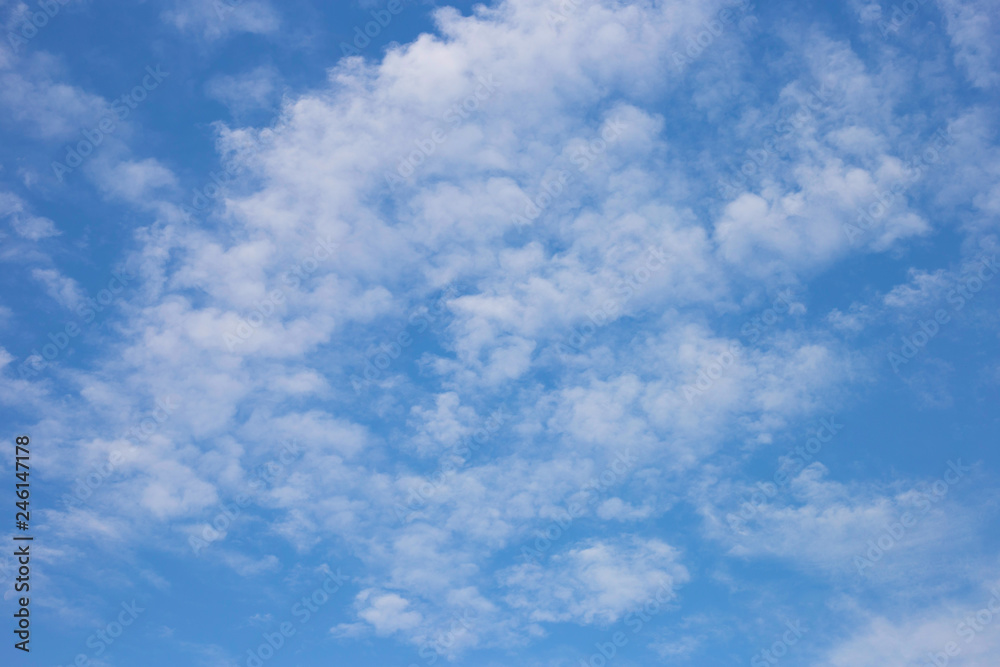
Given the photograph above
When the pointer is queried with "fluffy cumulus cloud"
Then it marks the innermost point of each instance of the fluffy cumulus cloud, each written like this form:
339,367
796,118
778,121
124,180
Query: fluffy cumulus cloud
509,316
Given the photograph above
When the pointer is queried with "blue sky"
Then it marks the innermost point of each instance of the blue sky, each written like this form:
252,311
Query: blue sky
535,332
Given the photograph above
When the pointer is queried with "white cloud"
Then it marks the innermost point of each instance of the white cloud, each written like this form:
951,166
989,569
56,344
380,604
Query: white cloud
522,289
922,291
215,19
944,634
618,510
972,27
26,225
34,228
831,526
63,289
253,90
35,97
135,180
595,582
386,612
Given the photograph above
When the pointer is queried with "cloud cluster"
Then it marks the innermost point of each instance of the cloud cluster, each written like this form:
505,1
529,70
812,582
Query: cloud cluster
585,323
